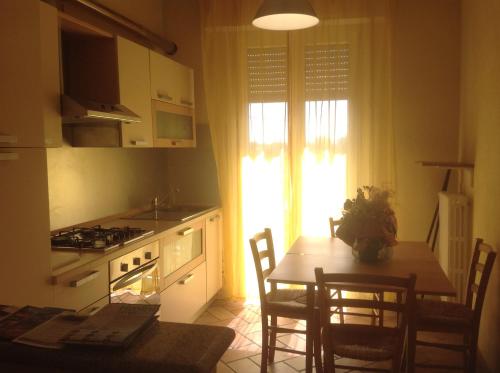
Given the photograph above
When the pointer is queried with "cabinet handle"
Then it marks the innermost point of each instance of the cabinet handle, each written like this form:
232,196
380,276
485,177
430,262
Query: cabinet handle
214,218
9,156
185,232
186,102
186,279
164,96
8,139
139,142
77,283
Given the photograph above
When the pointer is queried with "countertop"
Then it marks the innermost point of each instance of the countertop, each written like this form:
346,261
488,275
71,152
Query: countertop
65,261
165,347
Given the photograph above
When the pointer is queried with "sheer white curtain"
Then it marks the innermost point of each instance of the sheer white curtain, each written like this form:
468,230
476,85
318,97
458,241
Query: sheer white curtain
298,119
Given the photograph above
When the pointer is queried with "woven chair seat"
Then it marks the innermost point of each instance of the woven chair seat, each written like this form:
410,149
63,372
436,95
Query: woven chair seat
364,342
435,315
287,300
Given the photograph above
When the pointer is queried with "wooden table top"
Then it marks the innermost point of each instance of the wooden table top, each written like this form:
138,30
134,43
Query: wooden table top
297,267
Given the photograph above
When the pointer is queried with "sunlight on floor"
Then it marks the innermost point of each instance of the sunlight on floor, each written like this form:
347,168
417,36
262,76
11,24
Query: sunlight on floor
243,356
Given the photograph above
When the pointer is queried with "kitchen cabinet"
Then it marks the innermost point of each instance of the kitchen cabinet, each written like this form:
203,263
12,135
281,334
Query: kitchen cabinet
25,268
134,83
172,93
170,81
30,88
213,244
182,300
82,287
181,251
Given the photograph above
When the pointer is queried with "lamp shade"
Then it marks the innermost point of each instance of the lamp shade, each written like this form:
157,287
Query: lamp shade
285,15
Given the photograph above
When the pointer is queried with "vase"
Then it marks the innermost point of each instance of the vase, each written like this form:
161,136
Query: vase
371,250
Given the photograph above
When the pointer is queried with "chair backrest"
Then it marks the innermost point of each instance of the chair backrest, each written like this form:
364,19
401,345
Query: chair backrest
338,281
333,226
259,257
481,266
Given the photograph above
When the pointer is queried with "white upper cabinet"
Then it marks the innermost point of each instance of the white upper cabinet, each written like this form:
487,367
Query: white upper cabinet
134,82
170,81
30,88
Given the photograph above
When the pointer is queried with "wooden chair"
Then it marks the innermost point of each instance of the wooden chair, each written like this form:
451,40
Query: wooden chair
283,303
376,313
457,318
333,226
358,341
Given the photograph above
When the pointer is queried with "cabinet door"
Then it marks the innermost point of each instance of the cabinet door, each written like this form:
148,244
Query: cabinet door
214,254
186,86
82,287
171,81
181,251
182,301
173,125
134,81
25,268
29,92
165,78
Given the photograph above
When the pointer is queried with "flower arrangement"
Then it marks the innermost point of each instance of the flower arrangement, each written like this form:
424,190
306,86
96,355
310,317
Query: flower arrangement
368,223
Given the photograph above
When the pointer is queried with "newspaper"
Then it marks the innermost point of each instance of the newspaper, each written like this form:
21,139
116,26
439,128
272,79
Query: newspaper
115,325
50,333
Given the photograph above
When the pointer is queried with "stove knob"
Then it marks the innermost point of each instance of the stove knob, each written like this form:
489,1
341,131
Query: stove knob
137,261
147,255
124,267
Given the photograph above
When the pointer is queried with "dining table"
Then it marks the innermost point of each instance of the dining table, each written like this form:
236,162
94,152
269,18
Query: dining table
335,256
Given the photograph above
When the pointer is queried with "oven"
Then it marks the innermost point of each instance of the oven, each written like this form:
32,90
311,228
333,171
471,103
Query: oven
135,277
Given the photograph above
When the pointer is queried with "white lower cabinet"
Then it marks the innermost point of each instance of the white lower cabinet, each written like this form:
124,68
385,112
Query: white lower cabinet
182,300
82,287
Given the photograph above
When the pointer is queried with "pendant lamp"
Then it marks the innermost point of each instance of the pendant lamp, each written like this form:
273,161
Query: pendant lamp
285,15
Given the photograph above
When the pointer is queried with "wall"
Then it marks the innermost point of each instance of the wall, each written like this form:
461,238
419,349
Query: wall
147,13
182,25
425,105
192,171
425,97
91,183
480,143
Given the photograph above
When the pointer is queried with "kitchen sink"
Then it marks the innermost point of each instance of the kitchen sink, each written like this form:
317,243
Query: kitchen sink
173,213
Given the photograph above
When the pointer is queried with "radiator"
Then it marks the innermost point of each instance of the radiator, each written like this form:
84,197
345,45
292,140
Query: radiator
454,239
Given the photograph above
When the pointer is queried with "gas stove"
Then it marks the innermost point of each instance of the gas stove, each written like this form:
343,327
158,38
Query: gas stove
97,238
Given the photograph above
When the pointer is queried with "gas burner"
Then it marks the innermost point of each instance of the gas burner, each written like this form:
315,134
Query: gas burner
96,238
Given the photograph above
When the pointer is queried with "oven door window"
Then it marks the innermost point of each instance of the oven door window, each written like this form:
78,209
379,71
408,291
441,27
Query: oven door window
140,286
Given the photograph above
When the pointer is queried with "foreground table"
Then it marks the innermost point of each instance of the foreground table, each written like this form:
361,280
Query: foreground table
166,347
333,255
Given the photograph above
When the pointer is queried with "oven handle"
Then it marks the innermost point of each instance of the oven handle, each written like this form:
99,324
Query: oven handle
135,275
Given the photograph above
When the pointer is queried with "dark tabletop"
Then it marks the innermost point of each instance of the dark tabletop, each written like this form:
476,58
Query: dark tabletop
165,347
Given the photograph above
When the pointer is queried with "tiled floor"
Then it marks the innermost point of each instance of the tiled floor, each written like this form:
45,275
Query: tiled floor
243,356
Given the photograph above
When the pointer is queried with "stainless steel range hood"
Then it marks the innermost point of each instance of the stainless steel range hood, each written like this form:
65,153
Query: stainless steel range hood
86,111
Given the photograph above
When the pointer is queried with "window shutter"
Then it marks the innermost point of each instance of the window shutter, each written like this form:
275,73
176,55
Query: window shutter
268,74
327,72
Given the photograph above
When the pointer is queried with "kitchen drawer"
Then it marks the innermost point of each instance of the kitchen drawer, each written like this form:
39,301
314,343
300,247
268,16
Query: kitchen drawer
182,300
82,287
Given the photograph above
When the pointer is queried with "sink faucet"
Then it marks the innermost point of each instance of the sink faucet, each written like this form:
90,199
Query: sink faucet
155,202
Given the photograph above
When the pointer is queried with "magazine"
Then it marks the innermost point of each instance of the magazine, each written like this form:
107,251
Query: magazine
115,325
6,311
25,319
50,333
